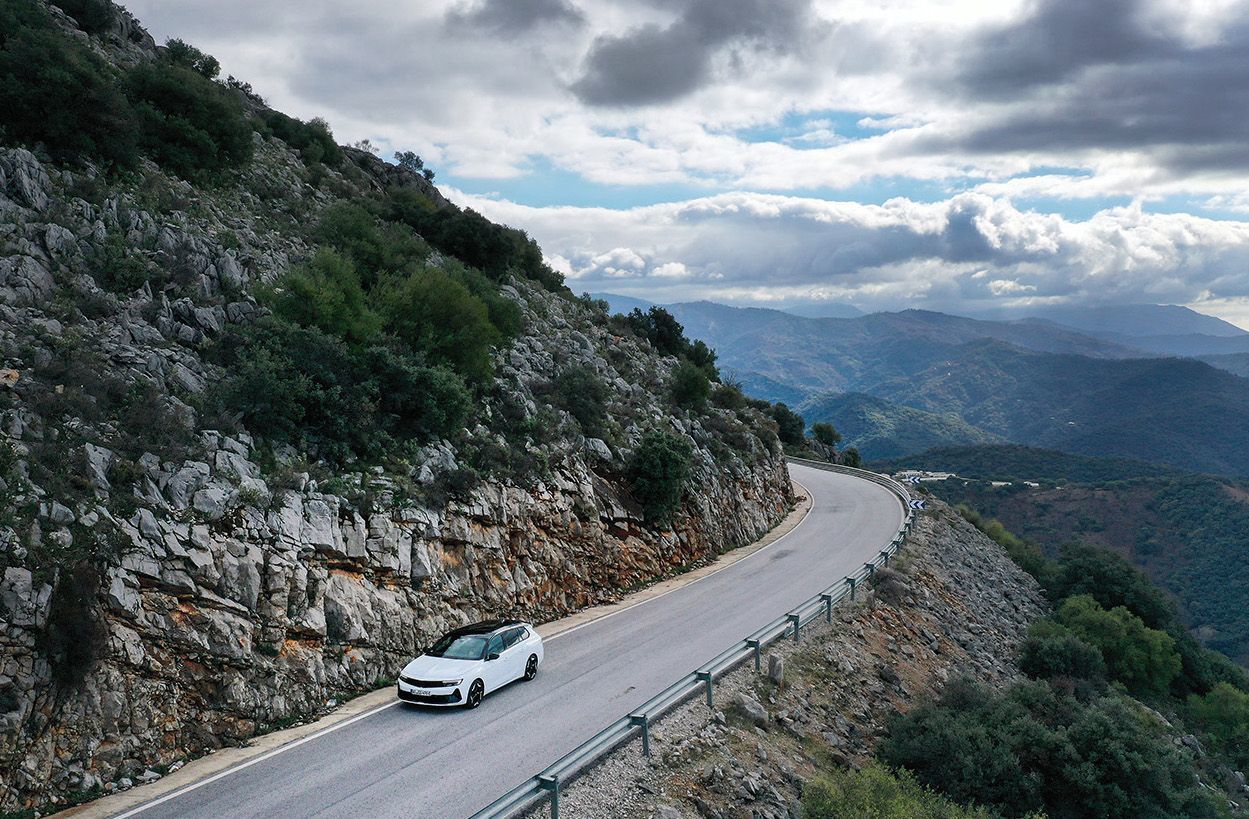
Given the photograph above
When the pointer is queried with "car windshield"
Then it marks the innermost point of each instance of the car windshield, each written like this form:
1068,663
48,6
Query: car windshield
459,648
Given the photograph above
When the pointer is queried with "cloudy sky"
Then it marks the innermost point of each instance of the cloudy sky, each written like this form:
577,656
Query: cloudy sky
951,154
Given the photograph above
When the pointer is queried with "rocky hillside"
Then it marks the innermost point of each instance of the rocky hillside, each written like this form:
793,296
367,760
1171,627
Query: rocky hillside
272,424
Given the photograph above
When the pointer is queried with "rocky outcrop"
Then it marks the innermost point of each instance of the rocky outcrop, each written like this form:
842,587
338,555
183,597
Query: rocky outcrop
236,586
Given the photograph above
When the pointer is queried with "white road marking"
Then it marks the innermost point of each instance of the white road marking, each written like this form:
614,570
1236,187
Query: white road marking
269,755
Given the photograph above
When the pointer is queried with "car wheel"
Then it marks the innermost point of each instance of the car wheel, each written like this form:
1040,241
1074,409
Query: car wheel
531,667
475,692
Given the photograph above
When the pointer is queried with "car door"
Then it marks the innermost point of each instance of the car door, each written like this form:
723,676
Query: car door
516,653
495,671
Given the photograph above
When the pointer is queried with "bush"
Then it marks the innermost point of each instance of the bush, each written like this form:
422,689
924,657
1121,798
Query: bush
729,396
657,474
327,294
55,92
1052,652
689,387
1141,658
190,125
584,395
1111,581
304,387
188,56
437,316
850,457
791,429
825,434
875,791
1223,715
1037,749
313,139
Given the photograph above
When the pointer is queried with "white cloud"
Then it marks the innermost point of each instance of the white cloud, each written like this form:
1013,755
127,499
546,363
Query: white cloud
970,248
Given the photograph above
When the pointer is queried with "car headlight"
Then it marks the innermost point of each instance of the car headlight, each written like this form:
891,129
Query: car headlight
452,682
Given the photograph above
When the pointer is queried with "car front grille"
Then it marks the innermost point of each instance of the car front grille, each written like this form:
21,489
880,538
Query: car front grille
431,699
426,683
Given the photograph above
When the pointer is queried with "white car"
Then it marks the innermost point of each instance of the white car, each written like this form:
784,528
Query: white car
467,664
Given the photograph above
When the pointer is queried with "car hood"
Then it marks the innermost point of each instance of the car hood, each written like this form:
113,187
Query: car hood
425,667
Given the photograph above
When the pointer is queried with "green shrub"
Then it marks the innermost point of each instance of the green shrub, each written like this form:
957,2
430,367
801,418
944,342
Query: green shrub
1223,715
825,434
584,395
188,56
1141,658
1037,749
327,294
850,457
55,92
689,387
118,268
438,317
728,396
791,429
313,139
190,125
1111,581
1052,652
875,791
657,474
302,386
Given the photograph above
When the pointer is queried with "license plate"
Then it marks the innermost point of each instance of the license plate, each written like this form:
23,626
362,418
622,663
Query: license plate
422,692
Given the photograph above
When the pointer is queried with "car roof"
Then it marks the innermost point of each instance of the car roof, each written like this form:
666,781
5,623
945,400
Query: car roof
484,627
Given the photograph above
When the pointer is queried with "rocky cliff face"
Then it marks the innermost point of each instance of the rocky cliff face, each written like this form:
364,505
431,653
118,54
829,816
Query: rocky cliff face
221,586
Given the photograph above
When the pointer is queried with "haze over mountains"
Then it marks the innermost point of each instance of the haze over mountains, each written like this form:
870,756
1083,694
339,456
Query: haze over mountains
903,382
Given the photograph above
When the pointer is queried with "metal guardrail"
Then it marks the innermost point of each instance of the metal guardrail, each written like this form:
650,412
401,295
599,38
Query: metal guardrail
638,721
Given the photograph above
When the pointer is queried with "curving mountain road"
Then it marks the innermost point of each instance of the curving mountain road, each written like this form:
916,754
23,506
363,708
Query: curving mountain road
412,762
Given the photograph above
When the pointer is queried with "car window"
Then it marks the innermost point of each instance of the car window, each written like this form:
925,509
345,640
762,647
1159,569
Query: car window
496,645
513,637
459,648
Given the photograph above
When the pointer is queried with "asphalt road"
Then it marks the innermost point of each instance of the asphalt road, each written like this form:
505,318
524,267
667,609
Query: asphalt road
410,762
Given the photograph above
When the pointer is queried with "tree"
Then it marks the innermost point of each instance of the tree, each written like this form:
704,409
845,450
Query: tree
188,56
790,427
1143,659
850,457
690,386
438,317
1224,715
190,125
1052,652
826,434
657,474
327,294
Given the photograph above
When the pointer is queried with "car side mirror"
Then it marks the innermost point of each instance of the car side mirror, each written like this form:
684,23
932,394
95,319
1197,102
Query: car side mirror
493,657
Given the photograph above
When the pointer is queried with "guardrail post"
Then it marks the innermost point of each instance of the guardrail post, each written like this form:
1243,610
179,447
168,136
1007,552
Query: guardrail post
796,619
871,570
705,676
551,783
884,556
642,721
828,607
757,645
852,583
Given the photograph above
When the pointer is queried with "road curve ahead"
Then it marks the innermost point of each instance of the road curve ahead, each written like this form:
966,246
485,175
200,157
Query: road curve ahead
412,762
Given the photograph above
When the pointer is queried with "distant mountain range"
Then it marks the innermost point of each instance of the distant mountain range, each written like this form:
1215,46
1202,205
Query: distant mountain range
901,382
